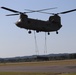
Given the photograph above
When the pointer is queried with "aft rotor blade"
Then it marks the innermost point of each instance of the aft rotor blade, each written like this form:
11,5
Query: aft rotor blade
60,12
10,10
45,12
67,11
46,9
39,10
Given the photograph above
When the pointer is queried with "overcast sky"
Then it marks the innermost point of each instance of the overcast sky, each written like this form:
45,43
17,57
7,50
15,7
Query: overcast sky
17,42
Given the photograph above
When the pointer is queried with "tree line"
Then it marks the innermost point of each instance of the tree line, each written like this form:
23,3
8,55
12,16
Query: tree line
39,58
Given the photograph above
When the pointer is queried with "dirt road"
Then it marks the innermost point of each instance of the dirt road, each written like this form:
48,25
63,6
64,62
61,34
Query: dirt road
57,68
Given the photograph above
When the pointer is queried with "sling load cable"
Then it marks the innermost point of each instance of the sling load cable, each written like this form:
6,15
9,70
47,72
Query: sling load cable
36,46
45,45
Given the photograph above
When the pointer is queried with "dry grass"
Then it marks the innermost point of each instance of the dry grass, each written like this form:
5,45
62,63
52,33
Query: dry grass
43,63
68,74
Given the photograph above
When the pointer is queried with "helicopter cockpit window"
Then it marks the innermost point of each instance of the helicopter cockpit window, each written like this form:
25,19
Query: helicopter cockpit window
19,20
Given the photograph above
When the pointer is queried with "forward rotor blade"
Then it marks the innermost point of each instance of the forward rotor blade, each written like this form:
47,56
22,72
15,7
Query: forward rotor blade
39,10
12,14
10,10
67,11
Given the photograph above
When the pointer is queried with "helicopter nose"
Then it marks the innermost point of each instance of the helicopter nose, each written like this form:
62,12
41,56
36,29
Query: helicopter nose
18,24
60,26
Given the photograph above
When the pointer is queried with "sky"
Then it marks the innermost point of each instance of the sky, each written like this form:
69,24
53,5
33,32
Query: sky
17,42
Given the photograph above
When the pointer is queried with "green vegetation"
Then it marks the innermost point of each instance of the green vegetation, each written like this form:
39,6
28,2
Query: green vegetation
26,73
33,73
37,58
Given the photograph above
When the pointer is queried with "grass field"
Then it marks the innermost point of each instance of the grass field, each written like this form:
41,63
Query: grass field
50,63
31,73
42,63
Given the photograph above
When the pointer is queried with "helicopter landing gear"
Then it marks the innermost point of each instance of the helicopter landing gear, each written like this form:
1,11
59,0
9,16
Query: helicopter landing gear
37,31
29,32
48,33
56,32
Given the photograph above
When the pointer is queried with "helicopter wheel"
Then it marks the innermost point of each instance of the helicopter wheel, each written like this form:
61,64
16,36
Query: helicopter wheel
37,31
29,32
48,33
56,32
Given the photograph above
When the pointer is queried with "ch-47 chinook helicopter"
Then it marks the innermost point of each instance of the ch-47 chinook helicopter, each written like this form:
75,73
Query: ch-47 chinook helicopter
51,25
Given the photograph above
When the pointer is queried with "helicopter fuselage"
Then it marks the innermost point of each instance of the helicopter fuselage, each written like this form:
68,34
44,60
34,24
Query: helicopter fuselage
38,25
